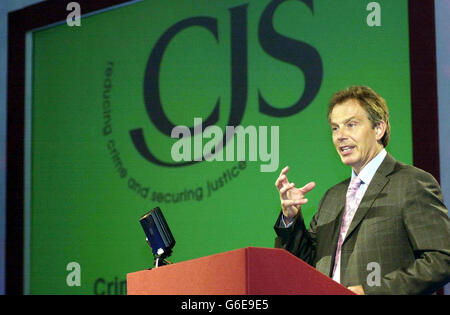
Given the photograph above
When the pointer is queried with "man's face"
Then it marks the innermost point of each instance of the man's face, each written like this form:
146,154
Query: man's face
355,139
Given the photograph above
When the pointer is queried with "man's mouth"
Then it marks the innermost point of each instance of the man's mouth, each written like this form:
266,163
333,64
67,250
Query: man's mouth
346,150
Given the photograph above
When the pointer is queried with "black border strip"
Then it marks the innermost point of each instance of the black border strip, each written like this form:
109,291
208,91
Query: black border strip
423,97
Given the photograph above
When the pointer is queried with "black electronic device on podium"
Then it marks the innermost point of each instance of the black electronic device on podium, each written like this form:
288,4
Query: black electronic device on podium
159,236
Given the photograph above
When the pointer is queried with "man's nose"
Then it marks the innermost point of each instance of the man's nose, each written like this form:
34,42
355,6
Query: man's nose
341,135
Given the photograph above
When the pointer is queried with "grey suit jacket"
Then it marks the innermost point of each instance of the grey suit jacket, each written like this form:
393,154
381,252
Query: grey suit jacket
401,230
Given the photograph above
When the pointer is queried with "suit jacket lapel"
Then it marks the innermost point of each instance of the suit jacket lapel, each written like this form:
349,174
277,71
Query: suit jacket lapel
330,230
379,180
326,264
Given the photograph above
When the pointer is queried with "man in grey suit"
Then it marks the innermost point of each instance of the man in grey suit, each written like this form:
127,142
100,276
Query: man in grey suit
385,231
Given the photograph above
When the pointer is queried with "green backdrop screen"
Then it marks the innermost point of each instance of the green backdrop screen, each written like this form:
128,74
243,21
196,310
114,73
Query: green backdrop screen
105,95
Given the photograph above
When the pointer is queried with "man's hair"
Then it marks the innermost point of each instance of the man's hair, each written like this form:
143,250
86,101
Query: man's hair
373,104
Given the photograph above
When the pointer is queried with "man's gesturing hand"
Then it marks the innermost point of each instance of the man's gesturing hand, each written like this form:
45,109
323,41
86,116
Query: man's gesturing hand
291,198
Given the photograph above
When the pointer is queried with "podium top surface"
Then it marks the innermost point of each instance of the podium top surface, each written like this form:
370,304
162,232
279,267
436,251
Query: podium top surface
250,270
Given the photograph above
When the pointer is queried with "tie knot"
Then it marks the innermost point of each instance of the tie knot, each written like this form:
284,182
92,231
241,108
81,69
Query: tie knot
354,183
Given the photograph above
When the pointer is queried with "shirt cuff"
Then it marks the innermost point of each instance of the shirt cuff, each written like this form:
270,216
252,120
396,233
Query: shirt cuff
283,224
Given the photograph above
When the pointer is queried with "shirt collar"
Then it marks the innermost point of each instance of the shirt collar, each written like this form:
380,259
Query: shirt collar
368,172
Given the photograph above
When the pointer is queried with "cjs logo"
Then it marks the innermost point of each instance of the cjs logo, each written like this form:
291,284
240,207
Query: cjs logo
295,52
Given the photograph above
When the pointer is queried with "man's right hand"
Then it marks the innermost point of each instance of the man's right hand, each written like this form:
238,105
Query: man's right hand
291,198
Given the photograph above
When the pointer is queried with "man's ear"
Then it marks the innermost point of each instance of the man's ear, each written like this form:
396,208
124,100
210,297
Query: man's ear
380,129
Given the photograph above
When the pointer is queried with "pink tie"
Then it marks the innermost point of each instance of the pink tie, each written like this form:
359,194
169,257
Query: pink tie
351,205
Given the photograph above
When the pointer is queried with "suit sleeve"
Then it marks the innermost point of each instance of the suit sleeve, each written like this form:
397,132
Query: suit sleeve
428,227
297,239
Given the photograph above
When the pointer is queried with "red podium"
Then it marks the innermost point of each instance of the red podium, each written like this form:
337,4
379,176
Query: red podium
251,270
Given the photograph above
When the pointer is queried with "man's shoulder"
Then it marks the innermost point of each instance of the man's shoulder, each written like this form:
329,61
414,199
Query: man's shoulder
410,173
394,170
405,179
